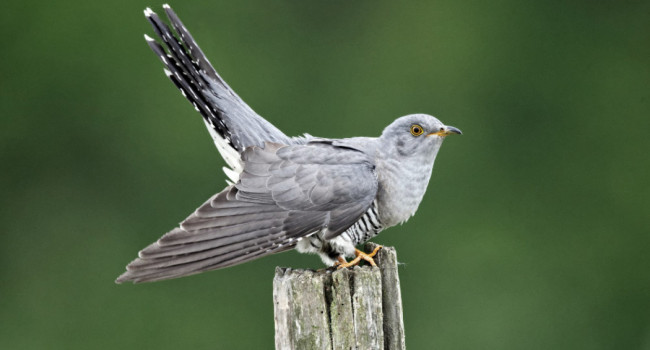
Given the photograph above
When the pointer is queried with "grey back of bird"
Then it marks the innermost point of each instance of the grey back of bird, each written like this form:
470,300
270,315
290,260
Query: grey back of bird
318,195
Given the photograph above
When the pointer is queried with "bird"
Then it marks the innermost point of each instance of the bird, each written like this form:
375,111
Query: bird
312,194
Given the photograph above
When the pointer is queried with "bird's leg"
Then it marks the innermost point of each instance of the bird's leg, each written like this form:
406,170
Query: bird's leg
359,256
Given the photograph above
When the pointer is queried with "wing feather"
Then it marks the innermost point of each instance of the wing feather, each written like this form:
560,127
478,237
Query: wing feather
269,210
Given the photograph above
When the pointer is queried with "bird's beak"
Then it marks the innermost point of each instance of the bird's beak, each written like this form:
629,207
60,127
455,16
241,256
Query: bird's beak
446,131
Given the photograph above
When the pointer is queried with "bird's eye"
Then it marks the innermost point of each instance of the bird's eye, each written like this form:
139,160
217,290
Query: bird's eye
416,130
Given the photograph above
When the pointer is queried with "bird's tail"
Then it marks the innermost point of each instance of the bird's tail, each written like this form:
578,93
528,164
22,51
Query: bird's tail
231,122
186,66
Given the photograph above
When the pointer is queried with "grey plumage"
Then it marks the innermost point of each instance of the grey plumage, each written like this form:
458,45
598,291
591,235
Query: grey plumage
317,195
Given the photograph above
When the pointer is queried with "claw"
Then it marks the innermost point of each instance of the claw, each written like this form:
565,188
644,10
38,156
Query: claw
359,256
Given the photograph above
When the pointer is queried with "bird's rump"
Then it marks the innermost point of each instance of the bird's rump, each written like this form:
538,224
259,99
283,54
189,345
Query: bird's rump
285,193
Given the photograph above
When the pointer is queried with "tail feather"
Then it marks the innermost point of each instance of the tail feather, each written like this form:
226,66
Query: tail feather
185,74
232,124
199,57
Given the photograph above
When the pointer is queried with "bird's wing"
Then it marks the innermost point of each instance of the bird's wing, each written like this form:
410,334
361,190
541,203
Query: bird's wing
285,193
232,124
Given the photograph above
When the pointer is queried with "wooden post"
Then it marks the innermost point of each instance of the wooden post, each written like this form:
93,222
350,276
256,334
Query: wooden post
358,308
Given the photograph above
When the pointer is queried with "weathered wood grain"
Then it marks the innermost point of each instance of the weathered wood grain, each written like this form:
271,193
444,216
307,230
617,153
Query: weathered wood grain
358,308
301,313
386,259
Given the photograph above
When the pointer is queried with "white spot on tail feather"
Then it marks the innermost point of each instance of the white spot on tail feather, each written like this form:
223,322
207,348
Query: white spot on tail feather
232,175
228,153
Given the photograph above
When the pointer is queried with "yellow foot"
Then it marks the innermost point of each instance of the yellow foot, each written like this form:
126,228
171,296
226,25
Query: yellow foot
359,256
340,261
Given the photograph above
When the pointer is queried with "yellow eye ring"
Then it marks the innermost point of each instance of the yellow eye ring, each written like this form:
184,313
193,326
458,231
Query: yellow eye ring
416,130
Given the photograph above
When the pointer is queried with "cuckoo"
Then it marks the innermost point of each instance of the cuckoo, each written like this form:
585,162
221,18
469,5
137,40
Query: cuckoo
315,195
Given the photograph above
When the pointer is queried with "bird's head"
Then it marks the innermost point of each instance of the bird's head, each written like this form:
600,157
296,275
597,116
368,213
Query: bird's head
416,134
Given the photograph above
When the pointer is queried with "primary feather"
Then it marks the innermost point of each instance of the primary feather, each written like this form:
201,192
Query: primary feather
286,192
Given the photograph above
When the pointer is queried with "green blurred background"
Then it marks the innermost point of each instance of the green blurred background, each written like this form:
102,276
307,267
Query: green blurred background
534,233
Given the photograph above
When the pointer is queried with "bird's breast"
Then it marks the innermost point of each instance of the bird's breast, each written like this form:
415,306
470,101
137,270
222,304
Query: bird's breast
402,185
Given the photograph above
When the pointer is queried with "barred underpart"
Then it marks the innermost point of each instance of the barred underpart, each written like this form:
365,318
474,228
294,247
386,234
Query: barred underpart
366,228
329,250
